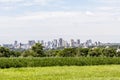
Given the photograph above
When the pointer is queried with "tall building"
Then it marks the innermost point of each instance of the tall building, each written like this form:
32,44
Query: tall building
31,43
72,43
60,42
78,43
49,45
55,43
66,44
15,43
89,42
42,42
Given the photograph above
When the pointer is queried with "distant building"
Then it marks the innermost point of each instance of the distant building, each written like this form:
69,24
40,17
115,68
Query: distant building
10,46
31,43
42,42
16,43
78,43
72,43
60,42
66,44
55,44
88,43
24,46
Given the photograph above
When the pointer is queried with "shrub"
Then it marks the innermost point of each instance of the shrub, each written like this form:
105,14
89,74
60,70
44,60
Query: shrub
28,53
96,52
68,52
109,52
82,51
58,61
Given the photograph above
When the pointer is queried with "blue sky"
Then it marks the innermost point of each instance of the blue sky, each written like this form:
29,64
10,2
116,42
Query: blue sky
24,20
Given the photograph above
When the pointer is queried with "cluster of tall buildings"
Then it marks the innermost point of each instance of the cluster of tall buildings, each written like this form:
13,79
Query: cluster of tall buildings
17,45
54,44
61,43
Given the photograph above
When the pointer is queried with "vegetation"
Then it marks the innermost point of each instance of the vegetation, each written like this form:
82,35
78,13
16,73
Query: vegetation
83,52
37,57
109,72
60,61
37,50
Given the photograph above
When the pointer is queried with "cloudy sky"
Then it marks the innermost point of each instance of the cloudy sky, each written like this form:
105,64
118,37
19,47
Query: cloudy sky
24,20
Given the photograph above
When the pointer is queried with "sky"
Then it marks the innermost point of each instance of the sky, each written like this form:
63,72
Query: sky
24,20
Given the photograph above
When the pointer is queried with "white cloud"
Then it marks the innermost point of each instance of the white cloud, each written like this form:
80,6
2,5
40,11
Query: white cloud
43,2
89,13
103,20
8,8
11,1
36,2
106,8
17,4
75,21
108,1
70,16
28,2
45,15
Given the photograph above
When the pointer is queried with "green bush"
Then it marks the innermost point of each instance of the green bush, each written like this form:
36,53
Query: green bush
109,52
68,52
82,52
66,61
96,52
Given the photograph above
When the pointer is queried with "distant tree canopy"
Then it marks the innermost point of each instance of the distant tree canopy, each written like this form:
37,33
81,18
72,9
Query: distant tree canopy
4,52
84,52
37,50
68,52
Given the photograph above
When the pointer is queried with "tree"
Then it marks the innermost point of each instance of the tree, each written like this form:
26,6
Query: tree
118,54
95,52
4,52
28,53
68,52
38,49
109,52
15,53
52,53
82,51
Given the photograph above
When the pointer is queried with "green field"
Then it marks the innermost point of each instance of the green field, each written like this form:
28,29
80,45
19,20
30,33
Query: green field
107,72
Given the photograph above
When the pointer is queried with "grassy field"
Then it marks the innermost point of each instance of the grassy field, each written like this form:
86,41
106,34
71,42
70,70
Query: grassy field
107,72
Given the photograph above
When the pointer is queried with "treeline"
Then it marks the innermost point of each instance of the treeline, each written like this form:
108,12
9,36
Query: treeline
38,51
35,51
83,52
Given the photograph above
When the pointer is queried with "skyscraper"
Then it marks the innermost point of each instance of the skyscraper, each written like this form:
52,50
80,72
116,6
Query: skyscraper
72,43
60,42
55,43
78,41
31,42
15,43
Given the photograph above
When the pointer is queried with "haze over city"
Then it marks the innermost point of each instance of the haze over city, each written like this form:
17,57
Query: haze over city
25,20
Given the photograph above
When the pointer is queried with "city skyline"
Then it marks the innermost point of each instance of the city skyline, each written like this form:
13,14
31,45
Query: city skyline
56,44
24,20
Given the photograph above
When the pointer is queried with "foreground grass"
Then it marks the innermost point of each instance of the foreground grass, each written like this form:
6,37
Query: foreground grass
108,72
